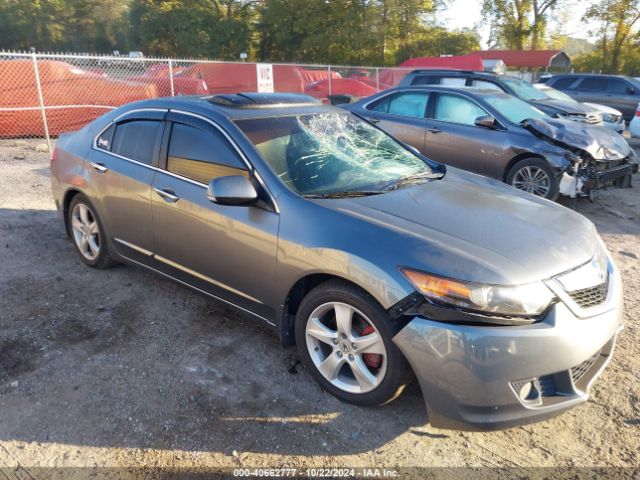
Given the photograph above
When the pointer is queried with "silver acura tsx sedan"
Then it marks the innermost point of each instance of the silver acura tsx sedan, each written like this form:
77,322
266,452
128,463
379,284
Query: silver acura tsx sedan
376,262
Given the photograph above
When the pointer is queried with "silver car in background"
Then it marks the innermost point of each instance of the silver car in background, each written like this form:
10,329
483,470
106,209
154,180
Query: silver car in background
376,262
611,117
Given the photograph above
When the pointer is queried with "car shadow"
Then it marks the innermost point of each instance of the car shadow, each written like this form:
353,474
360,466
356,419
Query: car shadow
121,357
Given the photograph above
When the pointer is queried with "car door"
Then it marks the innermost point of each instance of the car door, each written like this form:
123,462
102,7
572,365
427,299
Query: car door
402,115
454,139
621,95
590,89
227,251
124,163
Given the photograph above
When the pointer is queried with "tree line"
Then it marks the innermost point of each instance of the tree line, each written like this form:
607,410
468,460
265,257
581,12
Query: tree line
356,32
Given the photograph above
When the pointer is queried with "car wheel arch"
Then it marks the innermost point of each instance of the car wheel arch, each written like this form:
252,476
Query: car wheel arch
295,295
66,202
519,157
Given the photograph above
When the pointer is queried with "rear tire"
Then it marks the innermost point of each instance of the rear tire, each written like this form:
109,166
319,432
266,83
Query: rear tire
88,234
534,176
345,340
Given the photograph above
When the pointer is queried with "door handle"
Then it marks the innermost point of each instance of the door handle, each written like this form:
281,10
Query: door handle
169,195
99,167
434,130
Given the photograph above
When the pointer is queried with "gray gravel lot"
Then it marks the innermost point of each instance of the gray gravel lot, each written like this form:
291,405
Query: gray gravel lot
122,368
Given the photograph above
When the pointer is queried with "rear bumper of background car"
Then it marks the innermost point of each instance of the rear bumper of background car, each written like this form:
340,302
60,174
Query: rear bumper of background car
472,376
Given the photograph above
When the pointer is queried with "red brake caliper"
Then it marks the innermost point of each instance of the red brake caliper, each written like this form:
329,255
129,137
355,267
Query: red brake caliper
372,360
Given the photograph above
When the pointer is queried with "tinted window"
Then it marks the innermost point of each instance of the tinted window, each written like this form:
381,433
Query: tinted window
426,80
453,81
105,138
563,83
202,155
618,85
593,83
451,108
136,140
485,84
407,104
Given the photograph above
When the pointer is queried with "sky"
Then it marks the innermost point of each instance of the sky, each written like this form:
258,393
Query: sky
466,13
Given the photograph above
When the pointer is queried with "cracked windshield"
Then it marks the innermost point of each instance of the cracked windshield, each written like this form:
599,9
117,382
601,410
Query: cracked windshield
334,154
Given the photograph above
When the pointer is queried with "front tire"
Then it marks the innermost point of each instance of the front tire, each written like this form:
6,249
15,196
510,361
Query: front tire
535,176
88,233
345,340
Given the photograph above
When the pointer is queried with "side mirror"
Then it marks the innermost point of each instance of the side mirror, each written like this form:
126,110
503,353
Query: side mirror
233,190
631,90
486,121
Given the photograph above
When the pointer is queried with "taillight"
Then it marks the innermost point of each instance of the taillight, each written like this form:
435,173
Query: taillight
638,113
54,155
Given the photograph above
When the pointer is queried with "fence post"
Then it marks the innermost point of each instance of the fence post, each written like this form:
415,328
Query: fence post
41,100
329,70
377,79
173,93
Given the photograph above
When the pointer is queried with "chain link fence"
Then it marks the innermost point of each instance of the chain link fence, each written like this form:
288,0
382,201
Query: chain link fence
44,94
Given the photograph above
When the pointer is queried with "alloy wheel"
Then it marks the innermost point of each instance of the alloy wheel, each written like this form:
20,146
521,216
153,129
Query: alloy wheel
346,347
532,179
85,230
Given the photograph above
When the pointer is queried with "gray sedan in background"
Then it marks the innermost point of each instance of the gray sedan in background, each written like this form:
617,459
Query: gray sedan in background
498,135
376,262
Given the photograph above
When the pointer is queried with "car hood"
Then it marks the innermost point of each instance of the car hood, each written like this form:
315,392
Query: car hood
567,108
597,141
603,108
476,229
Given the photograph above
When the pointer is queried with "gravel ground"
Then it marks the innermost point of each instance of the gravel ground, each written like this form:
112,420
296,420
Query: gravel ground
123,368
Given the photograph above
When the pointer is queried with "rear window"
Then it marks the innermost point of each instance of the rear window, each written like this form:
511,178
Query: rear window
136,140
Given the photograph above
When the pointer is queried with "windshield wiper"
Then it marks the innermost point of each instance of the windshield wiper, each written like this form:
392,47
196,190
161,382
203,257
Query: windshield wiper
413,179
347,194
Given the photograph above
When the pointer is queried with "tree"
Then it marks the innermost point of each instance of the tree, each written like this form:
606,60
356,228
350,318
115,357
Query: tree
517,24
617,21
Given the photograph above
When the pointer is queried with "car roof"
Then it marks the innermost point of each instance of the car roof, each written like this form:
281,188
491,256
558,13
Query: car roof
241,105
445,71
479,91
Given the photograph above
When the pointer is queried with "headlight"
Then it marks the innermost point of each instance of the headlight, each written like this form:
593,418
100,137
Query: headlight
522,300
606,117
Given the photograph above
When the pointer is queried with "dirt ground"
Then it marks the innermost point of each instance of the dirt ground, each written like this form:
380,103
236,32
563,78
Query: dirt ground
123,368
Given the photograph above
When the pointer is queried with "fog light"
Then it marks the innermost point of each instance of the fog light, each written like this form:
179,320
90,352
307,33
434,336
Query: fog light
525,391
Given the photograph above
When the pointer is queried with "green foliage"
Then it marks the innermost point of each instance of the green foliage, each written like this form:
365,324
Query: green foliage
375,32
617,51
518,24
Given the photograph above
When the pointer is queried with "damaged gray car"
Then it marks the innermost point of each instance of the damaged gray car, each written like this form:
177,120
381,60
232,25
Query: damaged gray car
376,262
500,136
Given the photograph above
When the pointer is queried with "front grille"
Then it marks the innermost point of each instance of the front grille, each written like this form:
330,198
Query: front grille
592,296
578,371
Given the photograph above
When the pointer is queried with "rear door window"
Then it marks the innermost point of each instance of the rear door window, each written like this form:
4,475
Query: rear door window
406,104
202,155
593,84
456,109
135,140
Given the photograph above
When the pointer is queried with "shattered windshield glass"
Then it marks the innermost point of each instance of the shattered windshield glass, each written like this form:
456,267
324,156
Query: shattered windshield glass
336,154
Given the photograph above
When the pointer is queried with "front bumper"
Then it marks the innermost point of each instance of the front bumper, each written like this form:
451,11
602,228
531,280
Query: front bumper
470,376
